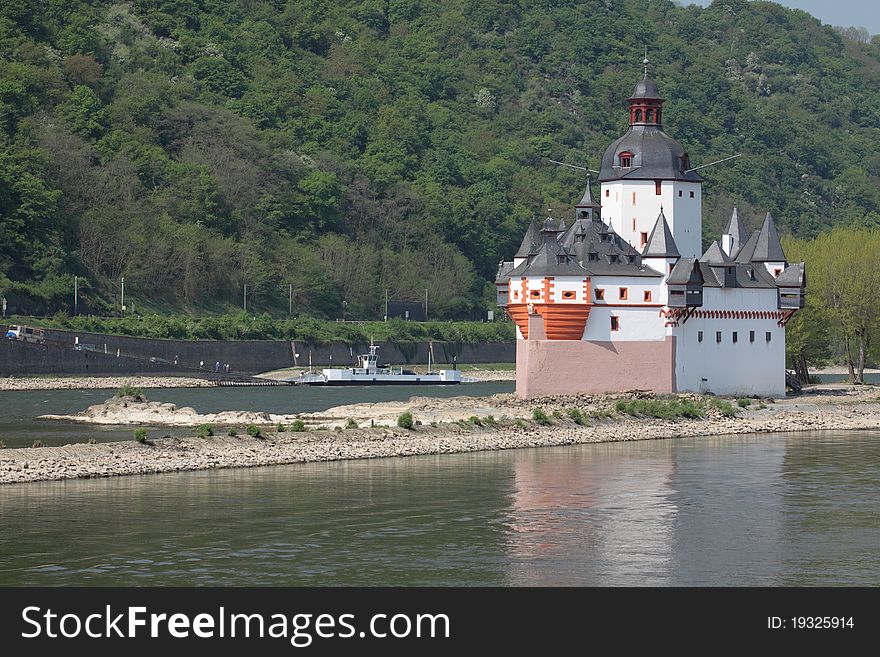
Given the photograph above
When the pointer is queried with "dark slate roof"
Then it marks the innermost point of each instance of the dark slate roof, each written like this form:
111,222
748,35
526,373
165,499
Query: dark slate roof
661,243
613,255
737,229
744,255
748,275
715,255
546,261
768,248
504,269
656,155
646,88
795,275
686,271
531,241
587,200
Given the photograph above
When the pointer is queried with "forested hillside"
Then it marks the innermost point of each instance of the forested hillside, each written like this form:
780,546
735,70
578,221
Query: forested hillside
339,149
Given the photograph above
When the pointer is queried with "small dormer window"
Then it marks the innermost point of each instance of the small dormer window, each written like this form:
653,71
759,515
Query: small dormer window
561,259
626,159
613,258
592,257
579,238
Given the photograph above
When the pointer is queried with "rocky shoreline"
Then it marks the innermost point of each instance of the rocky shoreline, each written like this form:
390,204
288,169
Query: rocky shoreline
100,382
453,430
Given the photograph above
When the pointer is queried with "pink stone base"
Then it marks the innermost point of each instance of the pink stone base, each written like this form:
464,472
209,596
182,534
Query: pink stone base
560,367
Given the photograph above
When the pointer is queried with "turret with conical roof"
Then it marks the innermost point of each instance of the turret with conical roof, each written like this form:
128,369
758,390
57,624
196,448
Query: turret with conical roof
735,235
660,243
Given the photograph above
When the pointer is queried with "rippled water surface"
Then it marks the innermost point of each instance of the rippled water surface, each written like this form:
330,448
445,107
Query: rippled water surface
780,509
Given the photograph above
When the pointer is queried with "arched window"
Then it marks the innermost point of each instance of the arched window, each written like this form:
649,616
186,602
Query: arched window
638,116
650,116
626,159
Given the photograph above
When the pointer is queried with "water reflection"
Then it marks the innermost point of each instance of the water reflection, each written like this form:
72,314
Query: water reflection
603,514
797,509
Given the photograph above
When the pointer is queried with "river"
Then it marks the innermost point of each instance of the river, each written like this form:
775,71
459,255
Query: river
777,509
20,428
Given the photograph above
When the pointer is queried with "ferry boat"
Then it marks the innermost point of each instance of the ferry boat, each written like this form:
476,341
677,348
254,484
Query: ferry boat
368,372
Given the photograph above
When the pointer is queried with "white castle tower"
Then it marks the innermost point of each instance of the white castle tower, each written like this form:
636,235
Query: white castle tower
646,169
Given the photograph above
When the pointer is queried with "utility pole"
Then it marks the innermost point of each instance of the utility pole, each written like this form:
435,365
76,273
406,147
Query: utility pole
426,304
290,298
245,297
386,304
344,304
75,294
122,297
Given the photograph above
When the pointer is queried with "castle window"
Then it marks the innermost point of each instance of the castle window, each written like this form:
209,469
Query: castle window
679,192
600,294
624,294
776,272
626,159
718,337
613,259
638,116
657,185
536,294
592,257
634,198
561,259
607,193
634,221
579,238
644,238
615,323
692,194
650,116
699,336
568,294
648,297
767,336
751,336
735,337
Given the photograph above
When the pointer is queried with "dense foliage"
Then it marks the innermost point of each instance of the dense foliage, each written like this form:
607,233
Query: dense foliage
264,327
327,150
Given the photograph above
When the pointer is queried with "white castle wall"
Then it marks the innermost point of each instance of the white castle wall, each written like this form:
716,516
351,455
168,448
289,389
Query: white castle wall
728,368
625,201
638,320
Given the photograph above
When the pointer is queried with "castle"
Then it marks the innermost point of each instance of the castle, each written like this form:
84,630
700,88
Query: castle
624,297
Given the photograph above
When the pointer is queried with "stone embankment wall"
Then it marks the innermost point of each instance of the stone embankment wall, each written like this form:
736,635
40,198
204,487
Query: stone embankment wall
98,354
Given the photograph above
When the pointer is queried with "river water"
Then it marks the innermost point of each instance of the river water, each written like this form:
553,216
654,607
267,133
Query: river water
778,509
19,409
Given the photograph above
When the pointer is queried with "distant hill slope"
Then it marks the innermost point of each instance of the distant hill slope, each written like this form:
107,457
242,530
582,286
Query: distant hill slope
322,152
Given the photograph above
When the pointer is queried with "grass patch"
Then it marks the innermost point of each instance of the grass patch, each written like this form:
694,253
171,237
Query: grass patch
490,420
743,402
350,423
540,417
280,428
656,408
130,391
140,436
205,431
232,433
298,426
477,422
519,422
253,431
576,416
723,406
405,421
